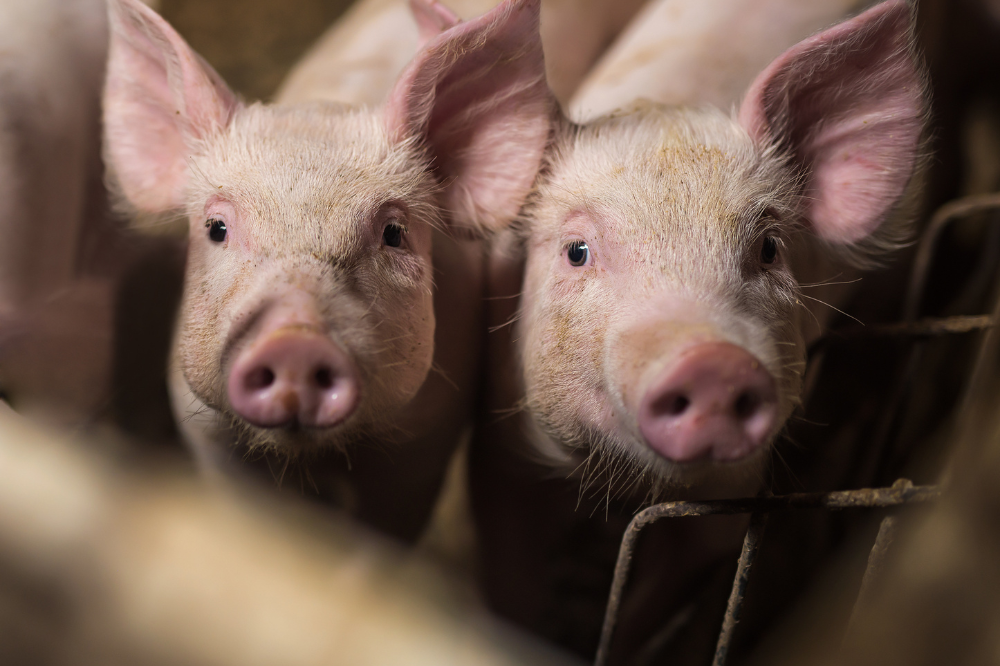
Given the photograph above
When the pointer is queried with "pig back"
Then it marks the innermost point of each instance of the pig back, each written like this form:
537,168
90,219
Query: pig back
357,60
693,52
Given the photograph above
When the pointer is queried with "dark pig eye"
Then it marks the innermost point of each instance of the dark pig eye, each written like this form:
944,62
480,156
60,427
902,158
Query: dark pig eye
578,253
216,229
769,250
393,235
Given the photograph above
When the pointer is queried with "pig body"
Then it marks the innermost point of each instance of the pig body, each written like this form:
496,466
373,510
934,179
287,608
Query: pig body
329,326
358,59
659,342
678,52
57,275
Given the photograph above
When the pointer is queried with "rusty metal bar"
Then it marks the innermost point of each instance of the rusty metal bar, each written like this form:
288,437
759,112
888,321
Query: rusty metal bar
876,560
901,492
751,544
944,216
925,328
882,449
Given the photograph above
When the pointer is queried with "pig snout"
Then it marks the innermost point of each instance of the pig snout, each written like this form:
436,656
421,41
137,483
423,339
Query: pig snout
293,377
715,403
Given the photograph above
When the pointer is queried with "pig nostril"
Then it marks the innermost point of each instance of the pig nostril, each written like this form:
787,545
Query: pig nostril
746,405
671,405
678,406
259,378
324,378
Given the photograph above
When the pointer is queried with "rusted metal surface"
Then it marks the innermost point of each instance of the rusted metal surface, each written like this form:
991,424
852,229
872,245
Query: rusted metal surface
929,327
751,544
901,492
876,562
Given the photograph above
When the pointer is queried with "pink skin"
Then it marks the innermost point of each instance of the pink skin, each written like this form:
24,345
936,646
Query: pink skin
716,403
62,256
293,375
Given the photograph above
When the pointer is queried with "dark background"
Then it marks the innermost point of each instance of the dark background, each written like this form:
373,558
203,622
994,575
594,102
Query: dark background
252,43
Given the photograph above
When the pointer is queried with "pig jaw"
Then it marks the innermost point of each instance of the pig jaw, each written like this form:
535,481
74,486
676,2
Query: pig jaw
673,205
305,194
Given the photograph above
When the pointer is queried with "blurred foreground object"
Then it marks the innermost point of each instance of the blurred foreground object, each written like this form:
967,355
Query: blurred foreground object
56,307
103,566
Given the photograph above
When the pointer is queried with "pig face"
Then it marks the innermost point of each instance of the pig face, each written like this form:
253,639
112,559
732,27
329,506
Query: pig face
660,236
307,318
334,245
661,325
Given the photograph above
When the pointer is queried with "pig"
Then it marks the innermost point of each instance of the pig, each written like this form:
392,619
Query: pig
330,319
59,259
657,347
357,60
679,52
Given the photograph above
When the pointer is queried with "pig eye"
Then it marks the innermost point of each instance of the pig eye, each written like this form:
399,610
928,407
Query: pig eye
769,250
578,253
216,229
392,235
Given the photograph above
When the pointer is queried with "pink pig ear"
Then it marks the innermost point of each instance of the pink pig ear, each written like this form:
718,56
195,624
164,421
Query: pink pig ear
160,96
432,18
849,106
476,96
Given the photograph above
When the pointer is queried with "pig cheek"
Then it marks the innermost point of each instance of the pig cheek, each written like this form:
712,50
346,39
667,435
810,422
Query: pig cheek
210,282
563,349
403,331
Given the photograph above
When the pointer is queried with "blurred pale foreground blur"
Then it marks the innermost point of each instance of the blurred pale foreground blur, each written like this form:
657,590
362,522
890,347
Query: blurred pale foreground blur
110,564
106,563
103,564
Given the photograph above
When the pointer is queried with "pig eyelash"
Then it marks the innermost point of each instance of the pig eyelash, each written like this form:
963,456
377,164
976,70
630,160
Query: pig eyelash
394,235
393,218
217,230
578,253
769,250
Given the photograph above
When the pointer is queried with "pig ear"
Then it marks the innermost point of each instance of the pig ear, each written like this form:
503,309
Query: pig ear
160,97
432,18
848,105
476,96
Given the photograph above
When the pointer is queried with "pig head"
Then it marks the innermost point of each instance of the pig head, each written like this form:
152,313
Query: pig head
662,328
308,317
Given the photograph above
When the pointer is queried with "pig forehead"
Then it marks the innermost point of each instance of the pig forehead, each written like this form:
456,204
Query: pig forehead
660,170
312,161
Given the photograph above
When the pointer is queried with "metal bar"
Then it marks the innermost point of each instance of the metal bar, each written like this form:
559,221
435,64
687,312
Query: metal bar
901,492
881,451
945,215
876,560
751,544
925,328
